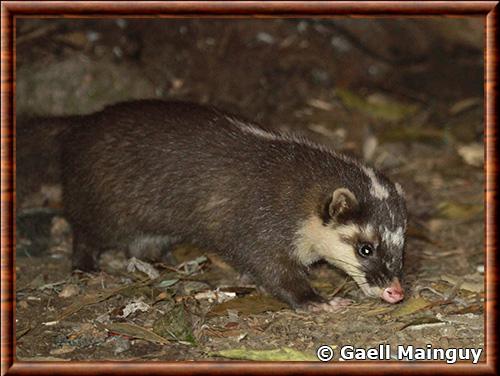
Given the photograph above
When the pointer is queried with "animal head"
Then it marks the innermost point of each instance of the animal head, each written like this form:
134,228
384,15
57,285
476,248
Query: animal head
362,233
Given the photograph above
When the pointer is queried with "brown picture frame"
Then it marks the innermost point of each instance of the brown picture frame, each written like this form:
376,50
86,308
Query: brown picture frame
10,10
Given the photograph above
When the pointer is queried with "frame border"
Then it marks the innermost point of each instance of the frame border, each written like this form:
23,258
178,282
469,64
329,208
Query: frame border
236,9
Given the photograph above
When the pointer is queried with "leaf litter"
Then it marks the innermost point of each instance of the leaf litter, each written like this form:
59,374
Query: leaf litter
175,325
281,354
134,331
248,305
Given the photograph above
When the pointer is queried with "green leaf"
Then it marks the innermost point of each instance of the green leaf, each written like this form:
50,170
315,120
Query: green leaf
455,210
377,106
168,282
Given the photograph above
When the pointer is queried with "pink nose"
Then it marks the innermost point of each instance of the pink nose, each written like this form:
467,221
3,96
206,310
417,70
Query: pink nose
394,293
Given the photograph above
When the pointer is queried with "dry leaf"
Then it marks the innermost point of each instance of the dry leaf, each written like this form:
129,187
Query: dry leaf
247,305
135,331
465,104
215,295
282,354
64,349
134,307
471,282
410,306
142,266
320,104
422,322
95,298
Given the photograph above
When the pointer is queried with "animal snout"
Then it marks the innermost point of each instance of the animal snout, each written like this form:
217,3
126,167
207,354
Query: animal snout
394,293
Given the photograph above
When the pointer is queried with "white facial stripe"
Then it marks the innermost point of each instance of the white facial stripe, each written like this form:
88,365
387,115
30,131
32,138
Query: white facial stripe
391,214
314,241
395,238
377,190
369,231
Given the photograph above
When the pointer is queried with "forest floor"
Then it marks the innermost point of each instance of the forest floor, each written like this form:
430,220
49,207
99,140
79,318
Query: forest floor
420,122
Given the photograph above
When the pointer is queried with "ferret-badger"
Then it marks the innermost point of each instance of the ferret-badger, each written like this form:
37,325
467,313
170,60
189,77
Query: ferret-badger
153,173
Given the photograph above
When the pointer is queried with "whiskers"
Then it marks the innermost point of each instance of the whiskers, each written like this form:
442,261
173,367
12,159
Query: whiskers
354,267
356,272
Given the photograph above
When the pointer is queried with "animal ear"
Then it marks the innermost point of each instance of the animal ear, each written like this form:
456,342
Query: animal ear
341,205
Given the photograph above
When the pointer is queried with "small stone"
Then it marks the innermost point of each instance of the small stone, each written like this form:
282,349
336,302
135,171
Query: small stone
69,290
120,344
265,38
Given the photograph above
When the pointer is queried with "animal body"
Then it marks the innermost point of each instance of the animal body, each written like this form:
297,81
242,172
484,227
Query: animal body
149,174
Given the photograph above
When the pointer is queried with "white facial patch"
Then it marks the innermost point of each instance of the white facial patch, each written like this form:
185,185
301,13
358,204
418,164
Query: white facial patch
395,238
369,231
391,213
377,190
314,242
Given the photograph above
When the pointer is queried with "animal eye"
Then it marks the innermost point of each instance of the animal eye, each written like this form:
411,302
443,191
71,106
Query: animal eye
365,250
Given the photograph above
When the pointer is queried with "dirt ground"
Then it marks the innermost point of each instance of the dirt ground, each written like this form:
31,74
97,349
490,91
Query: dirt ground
406,95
